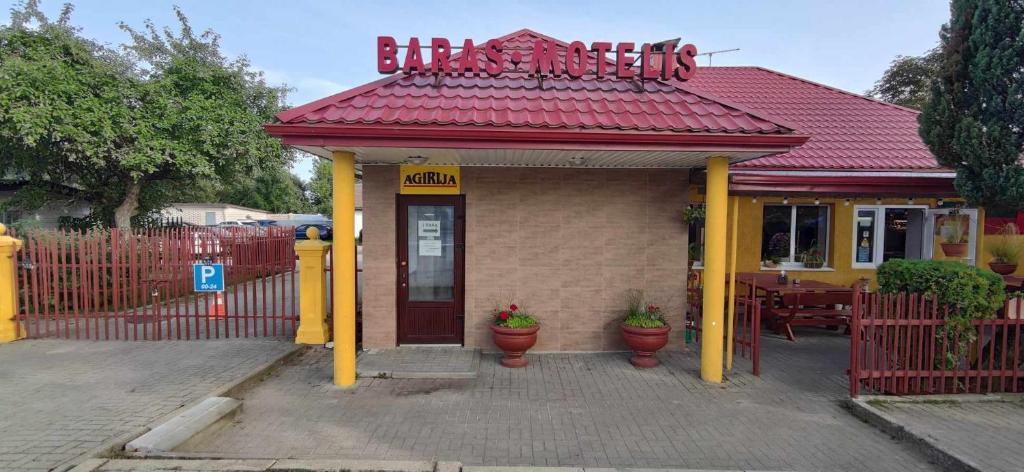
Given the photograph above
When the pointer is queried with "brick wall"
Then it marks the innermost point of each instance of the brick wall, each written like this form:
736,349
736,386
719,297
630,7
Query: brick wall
566,243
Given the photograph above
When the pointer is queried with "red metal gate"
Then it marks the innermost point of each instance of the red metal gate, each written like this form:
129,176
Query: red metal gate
137,285
746,321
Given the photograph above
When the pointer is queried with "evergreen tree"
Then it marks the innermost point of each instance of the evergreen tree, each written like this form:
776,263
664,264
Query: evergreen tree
974,120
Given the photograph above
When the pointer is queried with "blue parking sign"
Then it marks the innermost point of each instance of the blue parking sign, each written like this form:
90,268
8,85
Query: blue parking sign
208,277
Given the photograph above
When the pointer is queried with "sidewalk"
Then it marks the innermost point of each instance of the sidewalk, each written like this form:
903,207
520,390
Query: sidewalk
579,410
973,433
63,399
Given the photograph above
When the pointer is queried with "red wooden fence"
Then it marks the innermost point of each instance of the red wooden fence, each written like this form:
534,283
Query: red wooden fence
138,285
898,347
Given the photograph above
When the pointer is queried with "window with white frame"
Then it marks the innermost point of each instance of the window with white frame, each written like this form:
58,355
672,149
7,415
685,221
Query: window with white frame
793,233
881,233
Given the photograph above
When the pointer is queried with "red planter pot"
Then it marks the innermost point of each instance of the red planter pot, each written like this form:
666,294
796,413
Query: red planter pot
1002,269
645,342
514,342
954,249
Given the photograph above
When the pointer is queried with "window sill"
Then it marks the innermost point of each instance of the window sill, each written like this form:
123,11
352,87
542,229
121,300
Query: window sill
796,269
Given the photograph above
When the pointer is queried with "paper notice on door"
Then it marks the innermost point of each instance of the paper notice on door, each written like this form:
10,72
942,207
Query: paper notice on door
430,247
429,229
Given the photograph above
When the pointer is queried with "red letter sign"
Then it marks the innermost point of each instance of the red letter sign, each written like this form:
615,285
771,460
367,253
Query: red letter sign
576,60
544,59
468,62
413,58
623,62
440,50
601,49
687,64
387,54
495,61
649,64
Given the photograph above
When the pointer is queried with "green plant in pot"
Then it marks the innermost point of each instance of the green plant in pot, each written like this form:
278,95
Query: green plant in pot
644,329
1006,249
693,214
954,241
813,258
693,254
514,331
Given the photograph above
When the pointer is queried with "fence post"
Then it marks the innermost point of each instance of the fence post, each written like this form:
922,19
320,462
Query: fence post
312,289
9,329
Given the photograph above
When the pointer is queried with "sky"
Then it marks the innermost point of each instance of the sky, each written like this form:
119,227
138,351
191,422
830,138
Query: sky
319,48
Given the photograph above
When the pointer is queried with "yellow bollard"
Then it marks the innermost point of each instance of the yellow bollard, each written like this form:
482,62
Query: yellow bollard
713,301
312,289
343,266
9,329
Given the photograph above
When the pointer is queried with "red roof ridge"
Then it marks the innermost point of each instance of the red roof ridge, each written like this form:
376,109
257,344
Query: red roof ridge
819,84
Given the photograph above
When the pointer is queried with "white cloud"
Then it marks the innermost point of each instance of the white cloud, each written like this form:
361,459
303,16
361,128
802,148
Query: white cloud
304,89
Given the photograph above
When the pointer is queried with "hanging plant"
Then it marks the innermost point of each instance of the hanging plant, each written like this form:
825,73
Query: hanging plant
693,214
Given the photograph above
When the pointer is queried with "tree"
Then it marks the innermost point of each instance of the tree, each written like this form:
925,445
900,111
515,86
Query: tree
974,119
277,191
128,127
320,193
907,81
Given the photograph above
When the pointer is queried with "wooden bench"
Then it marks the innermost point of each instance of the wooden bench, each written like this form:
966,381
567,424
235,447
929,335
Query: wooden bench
811,309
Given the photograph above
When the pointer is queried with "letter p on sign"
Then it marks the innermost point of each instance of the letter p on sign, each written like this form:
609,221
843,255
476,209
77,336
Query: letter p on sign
208,277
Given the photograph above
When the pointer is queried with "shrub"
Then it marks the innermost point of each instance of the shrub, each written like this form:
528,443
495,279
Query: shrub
640,313
970,293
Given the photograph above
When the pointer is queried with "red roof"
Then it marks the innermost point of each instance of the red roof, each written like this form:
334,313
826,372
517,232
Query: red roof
516,100
847,131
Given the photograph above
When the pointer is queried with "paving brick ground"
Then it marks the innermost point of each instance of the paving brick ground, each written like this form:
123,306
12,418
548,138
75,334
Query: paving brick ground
419,362
60,399
578,410
989,434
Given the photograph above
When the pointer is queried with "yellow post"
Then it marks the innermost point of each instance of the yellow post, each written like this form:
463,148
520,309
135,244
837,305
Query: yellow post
9,329
343,266
714,269
312,282
731,326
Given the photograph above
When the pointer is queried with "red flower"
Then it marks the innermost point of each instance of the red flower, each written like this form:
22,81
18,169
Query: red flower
503,315
513,307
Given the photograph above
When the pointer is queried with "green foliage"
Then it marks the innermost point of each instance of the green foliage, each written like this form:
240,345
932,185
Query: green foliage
513,316
128,128
974,119
970,293
1008,246
320,193
640,313
694,214
907,80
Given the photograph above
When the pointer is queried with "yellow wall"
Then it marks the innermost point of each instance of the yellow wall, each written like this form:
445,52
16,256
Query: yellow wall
840,258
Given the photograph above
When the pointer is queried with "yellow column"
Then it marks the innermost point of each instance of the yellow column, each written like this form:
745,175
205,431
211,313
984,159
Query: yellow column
312,296
714,269
344,267
734,214
9,329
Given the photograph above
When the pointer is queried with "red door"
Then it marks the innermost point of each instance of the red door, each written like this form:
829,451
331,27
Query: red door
431,252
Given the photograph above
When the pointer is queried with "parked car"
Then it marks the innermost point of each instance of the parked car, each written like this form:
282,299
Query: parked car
326,231
265,223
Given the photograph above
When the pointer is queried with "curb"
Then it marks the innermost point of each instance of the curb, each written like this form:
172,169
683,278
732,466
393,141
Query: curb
332,465
918,439
115,445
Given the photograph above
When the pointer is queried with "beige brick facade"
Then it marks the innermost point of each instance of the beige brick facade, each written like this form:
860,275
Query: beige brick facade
567,243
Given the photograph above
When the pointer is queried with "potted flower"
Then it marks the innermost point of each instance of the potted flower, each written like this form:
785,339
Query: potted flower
693,254
1006,249
954,242
644,329
514,332
772,262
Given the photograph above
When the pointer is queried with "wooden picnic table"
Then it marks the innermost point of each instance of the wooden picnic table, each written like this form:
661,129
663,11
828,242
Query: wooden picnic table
769,293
